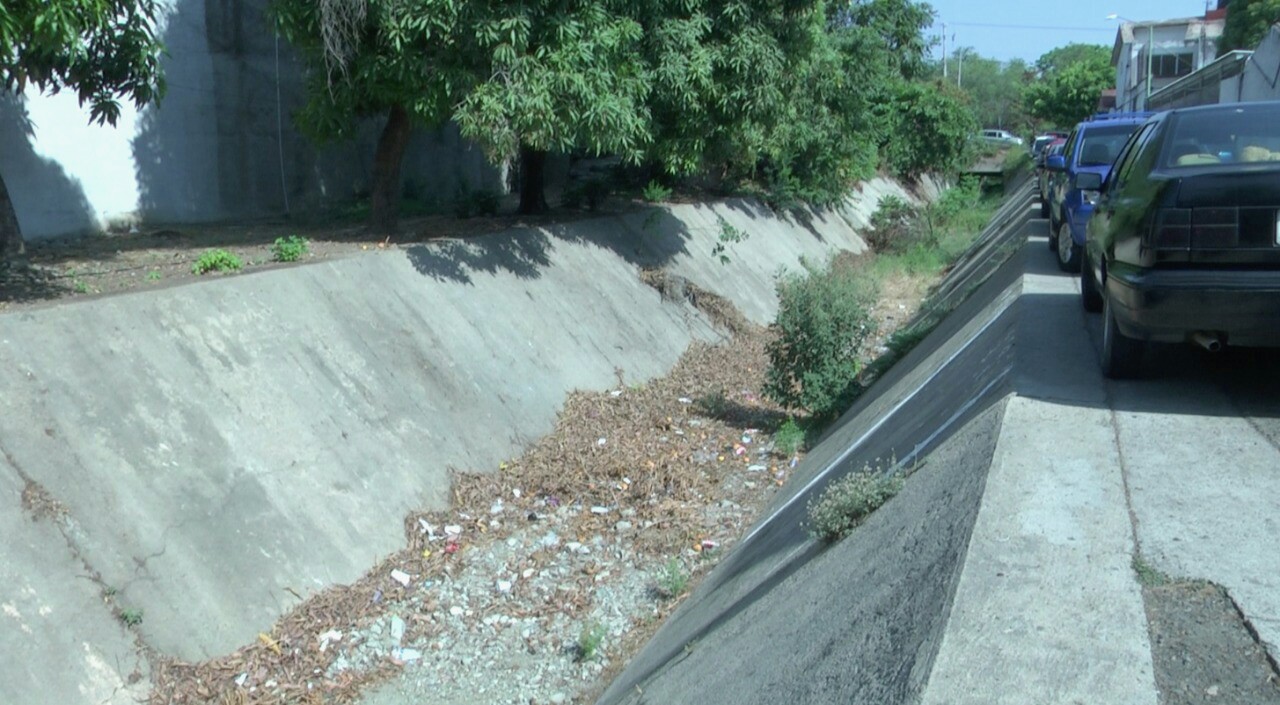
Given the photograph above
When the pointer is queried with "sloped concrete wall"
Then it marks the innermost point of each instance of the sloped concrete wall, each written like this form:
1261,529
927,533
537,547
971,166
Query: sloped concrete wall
224,445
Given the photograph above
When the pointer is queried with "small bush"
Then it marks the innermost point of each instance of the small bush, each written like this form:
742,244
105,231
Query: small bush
589,641
847,502
655,192
289,249
673,579
892,225
216,261
822,323
788,438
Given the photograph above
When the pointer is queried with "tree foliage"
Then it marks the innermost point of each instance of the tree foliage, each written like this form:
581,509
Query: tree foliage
1070,83
784,95
929,130
103,50
1248,22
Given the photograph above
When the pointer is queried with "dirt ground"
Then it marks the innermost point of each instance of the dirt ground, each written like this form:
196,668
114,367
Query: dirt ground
161,256
1203,650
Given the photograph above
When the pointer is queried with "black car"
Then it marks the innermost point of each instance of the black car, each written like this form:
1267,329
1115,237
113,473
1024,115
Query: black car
1183,244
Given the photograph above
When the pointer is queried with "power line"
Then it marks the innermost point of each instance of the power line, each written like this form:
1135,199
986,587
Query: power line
989,25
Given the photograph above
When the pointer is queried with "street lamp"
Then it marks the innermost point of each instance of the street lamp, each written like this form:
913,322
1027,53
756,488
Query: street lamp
1150,48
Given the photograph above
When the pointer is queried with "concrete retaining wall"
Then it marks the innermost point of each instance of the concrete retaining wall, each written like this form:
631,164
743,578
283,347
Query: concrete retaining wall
223,445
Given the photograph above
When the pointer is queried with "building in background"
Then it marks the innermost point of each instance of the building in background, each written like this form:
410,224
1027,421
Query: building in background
1152,54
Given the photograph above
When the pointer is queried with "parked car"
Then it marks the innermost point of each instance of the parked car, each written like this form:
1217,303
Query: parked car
1040,146
1185,244
1000,137
1043,175
1091,148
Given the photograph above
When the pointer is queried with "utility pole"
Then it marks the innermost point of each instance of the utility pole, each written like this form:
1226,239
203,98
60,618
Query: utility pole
960,71
944,49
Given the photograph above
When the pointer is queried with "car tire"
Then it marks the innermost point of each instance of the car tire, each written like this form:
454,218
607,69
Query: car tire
1090,295
1067,250
1121,356
1044,206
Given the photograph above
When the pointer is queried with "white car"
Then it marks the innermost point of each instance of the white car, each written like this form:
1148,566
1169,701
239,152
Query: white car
1000,137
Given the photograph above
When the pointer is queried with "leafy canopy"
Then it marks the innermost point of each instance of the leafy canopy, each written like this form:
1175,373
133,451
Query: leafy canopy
104,50
1070,84
1248,22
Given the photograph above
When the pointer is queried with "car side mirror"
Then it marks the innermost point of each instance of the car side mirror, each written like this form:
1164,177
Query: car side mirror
1088,182
1056,162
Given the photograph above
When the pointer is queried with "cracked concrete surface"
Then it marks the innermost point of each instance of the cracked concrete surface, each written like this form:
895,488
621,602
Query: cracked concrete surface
62,642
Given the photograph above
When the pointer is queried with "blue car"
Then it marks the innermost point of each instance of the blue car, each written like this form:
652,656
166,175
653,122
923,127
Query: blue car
1077,174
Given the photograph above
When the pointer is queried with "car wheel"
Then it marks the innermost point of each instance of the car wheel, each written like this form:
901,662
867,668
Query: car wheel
1068,253
1090,296
1121,356
1044,206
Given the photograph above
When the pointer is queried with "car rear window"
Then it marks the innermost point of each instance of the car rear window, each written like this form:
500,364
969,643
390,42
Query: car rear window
1102,144
1241,134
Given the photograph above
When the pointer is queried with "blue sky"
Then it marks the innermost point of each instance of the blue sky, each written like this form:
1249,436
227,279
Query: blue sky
1022,32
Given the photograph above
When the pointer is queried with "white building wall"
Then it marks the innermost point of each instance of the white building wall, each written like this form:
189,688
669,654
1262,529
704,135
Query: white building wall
213,150
1196,37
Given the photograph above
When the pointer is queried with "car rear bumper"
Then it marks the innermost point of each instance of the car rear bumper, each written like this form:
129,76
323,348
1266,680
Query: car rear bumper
1169,305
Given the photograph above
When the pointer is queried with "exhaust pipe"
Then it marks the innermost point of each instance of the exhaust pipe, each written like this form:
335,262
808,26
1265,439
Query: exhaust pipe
1209,341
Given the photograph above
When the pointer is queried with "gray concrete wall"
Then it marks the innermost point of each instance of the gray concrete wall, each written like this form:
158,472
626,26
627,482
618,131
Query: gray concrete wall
224,445
222,145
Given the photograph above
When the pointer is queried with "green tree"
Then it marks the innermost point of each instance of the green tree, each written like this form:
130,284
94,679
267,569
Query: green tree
929,129
556,76
1248,22
1068,92
407,60
996,90
103,50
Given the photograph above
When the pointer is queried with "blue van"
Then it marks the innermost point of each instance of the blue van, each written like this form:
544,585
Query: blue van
1077,174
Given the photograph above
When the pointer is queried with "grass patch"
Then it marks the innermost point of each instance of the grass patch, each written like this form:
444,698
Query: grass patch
789,438
673,579
847,502
589,642
131,617
1147,574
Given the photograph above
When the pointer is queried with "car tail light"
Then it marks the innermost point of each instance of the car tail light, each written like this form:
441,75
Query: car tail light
1171,229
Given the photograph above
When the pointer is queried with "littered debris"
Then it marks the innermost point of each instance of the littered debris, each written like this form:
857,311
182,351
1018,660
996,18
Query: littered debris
685,400
329,637
599,510
602,441
616,393
401,577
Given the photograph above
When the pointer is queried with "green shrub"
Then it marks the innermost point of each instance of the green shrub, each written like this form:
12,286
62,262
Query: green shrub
822,323
289,249
789,437
216,261
892,225
847,502
655,192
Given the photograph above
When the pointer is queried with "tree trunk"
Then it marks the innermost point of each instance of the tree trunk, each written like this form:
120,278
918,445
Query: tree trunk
533,171
11,246
385,197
